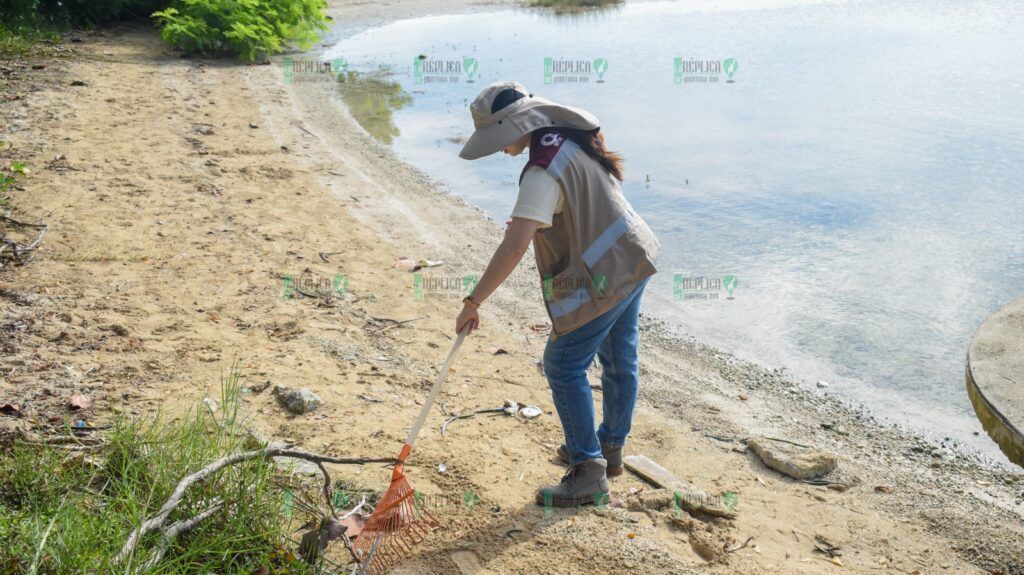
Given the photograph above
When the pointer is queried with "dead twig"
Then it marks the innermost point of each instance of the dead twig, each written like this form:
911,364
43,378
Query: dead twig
157,521
737,548
444,426
788,441
18,249
12,221
395,324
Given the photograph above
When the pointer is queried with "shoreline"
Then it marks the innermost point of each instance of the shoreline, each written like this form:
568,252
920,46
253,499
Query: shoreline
868,375
673,335
209,212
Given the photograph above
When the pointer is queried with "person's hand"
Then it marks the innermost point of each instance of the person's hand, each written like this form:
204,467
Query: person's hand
468,316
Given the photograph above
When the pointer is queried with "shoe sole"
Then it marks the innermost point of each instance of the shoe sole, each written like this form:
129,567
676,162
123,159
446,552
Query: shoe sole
612,471
574,502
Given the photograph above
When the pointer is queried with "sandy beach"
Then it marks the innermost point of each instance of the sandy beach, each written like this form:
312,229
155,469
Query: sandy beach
180,195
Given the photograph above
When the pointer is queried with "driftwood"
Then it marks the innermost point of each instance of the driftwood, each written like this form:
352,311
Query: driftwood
689,497
157,521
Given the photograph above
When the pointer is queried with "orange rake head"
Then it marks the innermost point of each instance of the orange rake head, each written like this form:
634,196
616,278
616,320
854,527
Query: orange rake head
396,525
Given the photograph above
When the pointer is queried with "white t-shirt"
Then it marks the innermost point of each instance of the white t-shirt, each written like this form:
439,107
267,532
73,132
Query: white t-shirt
540,197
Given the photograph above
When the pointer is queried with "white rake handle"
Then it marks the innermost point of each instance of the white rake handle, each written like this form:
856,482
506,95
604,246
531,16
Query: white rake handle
437,387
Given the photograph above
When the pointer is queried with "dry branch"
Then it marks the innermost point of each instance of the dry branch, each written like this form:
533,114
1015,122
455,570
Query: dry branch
175,529
157,521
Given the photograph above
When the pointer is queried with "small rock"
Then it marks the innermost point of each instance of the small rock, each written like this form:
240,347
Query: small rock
822,384
77,83
259,387
792,460
253,126
297,401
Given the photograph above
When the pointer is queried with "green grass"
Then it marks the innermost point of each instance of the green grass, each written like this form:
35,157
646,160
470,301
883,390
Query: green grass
65,511
10,172
19,41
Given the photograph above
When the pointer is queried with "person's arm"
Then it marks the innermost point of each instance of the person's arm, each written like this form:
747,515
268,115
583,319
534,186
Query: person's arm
505,259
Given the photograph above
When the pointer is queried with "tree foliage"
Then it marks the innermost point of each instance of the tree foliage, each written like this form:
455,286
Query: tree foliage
248,28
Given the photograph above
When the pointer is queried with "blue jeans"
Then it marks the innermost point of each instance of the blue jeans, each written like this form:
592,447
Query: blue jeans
613,337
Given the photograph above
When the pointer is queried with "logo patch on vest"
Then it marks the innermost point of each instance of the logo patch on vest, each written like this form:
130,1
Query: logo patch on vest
544,146
551,139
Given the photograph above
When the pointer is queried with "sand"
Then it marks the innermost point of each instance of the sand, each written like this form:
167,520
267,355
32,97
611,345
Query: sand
190,189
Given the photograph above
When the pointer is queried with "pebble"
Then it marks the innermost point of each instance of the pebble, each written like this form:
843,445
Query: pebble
298,401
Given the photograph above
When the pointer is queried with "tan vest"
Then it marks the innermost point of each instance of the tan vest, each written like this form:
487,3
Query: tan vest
597,249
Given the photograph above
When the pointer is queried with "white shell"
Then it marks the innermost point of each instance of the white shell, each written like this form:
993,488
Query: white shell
529,412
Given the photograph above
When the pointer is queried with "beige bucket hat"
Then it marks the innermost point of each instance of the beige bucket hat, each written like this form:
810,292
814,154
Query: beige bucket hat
506,111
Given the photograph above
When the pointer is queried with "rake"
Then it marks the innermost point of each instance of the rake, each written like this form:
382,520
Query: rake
396,524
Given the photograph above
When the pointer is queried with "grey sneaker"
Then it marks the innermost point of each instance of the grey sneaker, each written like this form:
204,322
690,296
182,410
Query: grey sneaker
613,455
585,483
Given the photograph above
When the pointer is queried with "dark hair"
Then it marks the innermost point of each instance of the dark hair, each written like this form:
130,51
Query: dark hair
592,142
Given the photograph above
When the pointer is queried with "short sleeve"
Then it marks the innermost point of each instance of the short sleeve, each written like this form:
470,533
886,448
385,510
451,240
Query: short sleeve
539,196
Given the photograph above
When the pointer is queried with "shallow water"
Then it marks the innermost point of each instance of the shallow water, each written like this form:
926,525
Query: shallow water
860,178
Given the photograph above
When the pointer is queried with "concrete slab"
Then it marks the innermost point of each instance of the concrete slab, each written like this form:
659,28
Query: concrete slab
995,378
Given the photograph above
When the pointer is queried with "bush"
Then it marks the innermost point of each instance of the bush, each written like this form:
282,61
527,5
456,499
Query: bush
249,28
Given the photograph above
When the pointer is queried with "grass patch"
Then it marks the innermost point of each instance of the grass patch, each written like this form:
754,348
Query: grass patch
70,511
18,41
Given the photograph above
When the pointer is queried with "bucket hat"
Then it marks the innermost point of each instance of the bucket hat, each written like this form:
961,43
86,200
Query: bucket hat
506,111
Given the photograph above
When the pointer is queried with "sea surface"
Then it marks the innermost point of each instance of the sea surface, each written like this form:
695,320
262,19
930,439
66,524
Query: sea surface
859,184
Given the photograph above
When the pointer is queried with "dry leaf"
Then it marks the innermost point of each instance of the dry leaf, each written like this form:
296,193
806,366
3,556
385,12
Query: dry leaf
355,524
883,489
10,409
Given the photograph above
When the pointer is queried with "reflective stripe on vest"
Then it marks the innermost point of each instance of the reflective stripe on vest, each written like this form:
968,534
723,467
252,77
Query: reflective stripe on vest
601,245
561,159
604,242
569,303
